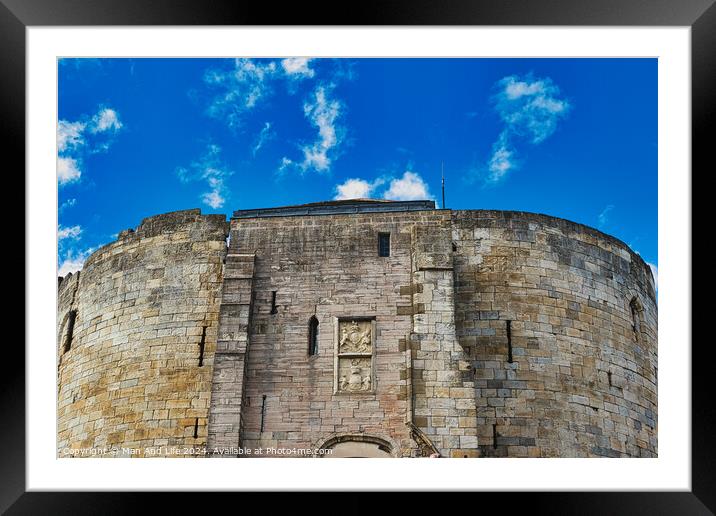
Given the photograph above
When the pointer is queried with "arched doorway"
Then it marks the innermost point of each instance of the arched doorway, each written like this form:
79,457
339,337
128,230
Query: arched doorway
357,446
358,449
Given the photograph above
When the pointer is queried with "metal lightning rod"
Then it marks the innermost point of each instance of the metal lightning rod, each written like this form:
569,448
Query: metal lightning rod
442,173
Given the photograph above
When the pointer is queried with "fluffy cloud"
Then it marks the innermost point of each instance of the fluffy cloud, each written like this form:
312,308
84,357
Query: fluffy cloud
208,168
74,261
323,112
213,199
67,170
410,187
530,110
249,82
239,89
69,135
86,136
501,161
72,232
530,107
356,189
106,119
297,67
603,217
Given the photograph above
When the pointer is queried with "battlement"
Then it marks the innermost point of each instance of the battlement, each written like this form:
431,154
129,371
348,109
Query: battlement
171,221
204,227
67,285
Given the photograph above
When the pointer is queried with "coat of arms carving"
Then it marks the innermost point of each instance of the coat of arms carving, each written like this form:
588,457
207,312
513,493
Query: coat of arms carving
354,356
355,338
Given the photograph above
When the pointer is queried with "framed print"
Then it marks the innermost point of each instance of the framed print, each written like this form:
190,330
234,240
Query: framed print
410,233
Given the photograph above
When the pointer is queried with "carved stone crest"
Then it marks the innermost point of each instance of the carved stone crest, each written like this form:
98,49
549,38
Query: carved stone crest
354,360
355,337
354,374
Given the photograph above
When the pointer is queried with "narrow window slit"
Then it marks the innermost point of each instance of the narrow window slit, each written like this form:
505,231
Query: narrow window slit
70,331
263,411
494,436
274,309
202,343
313,336
509,341
609,377
196,428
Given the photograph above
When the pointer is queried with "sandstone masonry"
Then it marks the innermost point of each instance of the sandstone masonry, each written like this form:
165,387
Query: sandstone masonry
480,334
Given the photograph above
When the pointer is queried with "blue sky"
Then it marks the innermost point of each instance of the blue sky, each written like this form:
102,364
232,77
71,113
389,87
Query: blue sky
573,138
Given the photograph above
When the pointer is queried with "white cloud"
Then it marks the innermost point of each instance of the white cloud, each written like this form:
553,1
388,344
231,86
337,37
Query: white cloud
106,119
76,139
655,272
69,135
357,189
239,89
530,107
286,163
410,187
67,170
69,203
530,110
502,160
297,67
72,232
213,199
74,261
515,89
323,113
603,217
208,168
265,135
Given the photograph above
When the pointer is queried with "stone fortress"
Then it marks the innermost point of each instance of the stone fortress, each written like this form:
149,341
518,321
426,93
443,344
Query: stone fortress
367,328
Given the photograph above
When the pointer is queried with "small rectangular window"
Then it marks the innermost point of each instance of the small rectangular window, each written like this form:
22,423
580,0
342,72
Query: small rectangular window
383,244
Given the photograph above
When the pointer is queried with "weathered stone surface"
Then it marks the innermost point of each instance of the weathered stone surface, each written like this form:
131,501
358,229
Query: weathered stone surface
580,383
484,333
147,306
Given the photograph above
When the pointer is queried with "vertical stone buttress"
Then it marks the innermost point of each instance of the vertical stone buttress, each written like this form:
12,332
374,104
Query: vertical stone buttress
227,392
444,395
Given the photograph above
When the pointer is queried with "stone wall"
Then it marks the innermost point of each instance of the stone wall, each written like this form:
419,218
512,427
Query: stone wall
484,333
443,386
582,380
146,309
328,267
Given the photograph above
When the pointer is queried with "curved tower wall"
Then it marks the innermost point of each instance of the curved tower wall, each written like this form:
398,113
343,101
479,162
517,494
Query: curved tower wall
496,334
146,309
582,380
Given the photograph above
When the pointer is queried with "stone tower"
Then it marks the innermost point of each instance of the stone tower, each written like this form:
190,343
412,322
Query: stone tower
363,327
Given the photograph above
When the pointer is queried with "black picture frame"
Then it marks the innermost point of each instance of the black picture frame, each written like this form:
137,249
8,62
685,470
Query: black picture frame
700,15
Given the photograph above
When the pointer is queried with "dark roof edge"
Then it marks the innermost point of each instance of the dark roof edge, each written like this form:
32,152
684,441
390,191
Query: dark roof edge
335,208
